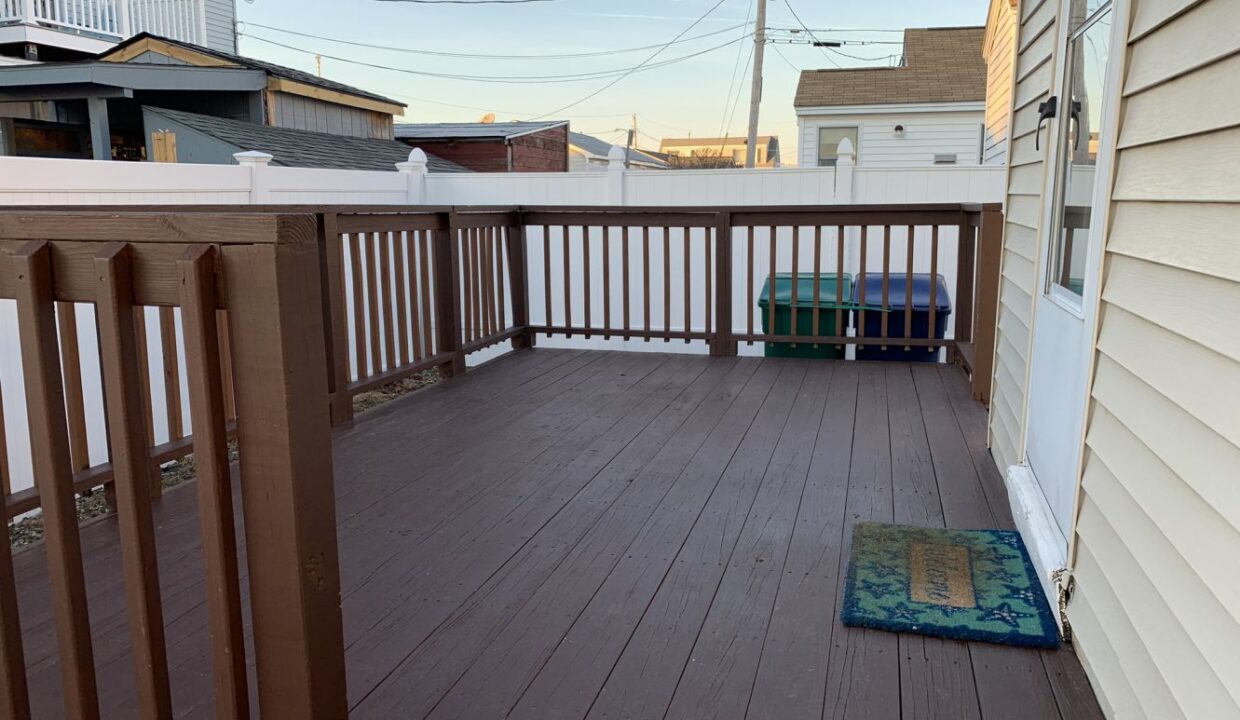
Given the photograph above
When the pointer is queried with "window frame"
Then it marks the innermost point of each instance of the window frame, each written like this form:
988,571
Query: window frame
856,141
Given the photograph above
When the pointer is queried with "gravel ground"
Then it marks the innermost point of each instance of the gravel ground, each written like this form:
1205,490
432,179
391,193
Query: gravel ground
29,530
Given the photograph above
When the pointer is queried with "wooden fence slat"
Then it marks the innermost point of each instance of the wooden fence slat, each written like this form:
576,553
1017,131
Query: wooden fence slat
817,279
71,371
865,238
335,316
909,254
503,245
428,343
226,365
708,276
547,320
886,284
471,321
770,304
667,283
385,301
646,280
606,283
934,281
372,308
568,290
749,271
214,481
839,280
359,305
49,441
172,372
407,288
131,477
586,321
148,414
684,238
624,248
796,279
724,344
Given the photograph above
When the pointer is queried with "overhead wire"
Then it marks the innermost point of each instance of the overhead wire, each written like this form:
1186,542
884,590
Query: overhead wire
483,56
740,52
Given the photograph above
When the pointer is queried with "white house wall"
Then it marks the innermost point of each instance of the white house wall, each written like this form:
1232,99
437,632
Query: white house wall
925,135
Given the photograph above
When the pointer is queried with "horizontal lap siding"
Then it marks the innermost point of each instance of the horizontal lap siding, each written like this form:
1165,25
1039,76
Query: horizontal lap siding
999,61
1034,65
1157,611
221,23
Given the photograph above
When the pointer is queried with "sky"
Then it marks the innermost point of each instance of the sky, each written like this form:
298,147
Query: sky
704,91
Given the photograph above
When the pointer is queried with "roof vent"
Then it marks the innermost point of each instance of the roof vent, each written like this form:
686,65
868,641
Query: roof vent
945,158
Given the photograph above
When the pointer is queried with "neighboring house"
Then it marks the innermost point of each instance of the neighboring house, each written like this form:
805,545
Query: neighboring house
52,30
93,108
587,153
492,146
999,52
929,110
214,140
720,151
1117,369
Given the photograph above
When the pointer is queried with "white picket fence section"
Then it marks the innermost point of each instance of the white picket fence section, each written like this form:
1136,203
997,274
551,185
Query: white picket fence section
32,181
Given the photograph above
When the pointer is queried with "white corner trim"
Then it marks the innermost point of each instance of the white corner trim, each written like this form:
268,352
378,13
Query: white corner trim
1046,544
892,108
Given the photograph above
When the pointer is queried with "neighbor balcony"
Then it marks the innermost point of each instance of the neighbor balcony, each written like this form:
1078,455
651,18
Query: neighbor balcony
610,505
96,25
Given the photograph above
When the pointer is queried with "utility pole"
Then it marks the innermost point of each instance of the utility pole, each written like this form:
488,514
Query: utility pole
318,65
755,93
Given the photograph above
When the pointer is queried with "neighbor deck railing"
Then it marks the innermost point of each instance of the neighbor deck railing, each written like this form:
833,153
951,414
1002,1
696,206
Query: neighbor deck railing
284,314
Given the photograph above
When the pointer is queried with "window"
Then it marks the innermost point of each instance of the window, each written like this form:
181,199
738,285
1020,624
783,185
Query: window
1081,120
828,143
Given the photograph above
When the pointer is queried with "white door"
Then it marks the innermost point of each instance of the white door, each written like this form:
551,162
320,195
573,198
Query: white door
1068,275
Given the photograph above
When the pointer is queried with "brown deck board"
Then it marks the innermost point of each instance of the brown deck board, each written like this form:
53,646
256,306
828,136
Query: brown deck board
568,534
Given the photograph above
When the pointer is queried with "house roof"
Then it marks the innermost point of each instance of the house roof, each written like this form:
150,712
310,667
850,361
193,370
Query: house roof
241,61
600,148
304,148
471,131
716,141
940,65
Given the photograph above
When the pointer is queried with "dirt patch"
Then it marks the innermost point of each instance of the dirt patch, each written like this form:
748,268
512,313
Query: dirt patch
373,399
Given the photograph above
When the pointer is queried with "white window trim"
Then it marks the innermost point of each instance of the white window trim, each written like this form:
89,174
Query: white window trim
819,127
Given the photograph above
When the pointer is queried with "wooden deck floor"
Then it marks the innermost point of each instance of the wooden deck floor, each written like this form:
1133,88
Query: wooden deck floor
567,534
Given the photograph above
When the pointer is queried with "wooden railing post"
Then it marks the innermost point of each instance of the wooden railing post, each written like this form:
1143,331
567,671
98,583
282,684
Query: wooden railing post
965,269
448,295
286,464
335,326
986,311
518,281
723,343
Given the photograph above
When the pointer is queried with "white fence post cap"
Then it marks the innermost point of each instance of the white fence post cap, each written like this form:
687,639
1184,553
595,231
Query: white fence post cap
615,157
844,151
417,162
253,157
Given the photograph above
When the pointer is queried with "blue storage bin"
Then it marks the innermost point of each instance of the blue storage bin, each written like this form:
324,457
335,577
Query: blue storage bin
895,315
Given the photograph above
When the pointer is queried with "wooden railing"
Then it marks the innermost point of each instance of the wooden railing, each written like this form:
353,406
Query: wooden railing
285,314
263,271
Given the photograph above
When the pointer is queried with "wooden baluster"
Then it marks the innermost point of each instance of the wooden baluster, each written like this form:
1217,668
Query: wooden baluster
172,372
467,244
684,237
934,285
709,273
144,364
214,481
667,284
725,342
908,285
624,248
547,321
646,281
372,283
131,475
568,285
448,288
606,282
817,280
359,307
796,280
503,239
414,348
335,315
287,486
749,272
517,258
585,277
986,306
226,365
71,369
771,286
483,242
886,283
839,284
49,445
966,269
398,241
861,291
14,696
428,340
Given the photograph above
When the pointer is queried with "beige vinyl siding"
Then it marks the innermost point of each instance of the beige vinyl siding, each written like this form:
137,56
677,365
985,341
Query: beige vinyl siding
1000,55
1157,607
1022,235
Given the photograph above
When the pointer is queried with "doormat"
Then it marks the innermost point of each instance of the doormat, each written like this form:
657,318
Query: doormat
959,584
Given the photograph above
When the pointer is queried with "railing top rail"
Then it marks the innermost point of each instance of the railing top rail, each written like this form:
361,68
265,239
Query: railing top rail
165,225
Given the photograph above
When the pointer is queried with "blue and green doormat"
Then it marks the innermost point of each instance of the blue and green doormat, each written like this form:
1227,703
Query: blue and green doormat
959,584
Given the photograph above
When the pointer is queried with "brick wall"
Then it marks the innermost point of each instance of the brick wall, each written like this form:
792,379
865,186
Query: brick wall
477,155
545,151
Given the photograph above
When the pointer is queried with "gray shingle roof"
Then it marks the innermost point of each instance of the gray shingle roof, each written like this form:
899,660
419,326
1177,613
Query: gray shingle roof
594,146
271,68
304,148
940,65
471,131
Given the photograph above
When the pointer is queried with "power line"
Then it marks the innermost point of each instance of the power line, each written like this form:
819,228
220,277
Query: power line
645,62
504,79
785,58
740,52
468,2
811,32
476,56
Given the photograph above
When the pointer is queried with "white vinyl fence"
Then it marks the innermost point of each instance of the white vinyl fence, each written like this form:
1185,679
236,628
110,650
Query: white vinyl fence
31,181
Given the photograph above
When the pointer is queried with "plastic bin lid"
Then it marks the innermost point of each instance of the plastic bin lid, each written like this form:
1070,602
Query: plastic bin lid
895,292
805,291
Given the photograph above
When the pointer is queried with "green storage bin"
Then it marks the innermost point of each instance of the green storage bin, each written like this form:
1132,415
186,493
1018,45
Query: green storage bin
805,314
